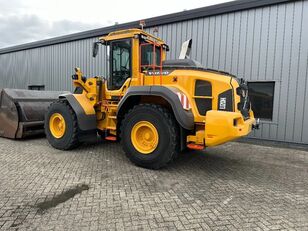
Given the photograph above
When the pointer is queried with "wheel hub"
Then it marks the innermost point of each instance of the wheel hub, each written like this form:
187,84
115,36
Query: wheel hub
57,125
144,137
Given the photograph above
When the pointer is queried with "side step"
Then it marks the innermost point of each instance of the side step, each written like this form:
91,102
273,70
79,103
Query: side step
111,138
195,146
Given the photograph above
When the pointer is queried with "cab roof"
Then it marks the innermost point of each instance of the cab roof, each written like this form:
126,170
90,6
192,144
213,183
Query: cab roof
130,33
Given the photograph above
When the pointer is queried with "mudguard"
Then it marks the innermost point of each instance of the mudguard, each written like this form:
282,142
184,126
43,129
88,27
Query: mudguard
183,117
86,117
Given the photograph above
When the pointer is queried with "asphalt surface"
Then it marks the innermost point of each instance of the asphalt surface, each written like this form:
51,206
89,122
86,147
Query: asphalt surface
235,186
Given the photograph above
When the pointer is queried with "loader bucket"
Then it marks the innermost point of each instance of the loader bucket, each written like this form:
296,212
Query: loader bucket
22,111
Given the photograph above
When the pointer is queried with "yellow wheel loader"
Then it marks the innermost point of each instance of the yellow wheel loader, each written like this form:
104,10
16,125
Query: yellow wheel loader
155,107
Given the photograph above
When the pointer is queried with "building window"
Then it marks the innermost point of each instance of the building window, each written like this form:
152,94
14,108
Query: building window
36,87
261,95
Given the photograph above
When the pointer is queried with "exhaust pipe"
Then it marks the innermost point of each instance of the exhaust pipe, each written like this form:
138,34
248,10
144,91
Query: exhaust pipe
185,50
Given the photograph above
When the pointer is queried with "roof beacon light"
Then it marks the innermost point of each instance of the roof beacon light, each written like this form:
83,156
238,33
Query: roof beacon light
142,24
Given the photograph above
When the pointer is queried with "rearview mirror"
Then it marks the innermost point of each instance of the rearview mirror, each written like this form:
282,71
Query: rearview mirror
95,49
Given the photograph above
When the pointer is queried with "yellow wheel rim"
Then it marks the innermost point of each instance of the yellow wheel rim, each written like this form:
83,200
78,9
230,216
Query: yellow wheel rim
144,137
57,125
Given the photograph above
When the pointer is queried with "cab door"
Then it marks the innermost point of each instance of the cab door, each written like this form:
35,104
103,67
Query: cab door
120,63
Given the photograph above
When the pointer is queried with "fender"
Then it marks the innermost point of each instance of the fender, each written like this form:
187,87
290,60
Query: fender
183,117
86,117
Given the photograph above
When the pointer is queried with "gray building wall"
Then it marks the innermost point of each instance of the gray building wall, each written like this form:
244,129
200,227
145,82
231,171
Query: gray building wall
268,43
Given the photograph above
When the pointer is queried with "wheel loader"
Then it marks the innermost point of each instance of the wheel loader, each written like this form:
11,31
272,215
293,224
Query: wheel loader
153,106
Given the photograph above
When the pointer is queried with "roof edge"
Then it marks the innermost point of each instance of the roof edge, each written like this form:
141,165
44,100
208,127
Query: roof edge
207,11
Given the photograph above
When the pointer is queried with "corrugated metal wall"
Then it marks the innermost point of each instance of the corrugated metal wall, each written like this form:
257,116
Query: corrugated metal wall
50,65
263,44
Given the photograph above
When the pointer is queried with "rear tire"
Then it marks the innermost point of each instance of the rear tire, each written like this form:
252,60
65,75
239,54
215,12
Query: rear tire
68,138
152,121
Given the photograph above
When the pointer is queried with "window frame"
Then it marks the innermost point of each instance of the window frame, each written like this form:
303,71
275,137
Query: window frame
156,55
111,86
36,87
273,119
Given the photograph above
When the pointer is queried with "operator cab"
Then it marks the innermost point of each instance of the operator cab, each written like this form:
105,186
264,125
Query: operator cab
118,61
120,48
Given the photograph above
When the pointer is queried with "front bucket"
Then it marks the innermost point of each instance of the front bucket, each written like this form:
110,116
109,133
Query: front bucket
22,111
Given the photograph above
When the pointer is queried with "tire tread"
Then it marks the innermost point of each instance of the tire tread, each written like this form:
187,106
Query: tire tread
74,142
174,139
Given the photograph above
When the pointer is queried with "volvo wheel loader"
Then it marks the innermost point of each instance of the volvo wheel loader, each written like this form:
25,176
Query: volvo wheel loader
155,107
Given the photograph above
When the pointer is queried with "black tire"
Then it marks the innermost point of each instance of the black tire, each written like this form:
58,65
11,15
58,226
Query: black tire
70,138
168,132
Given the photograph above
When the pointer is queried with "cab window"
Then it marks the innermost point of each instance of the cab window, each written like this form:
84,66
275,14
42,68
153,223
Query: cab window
120,56
148,55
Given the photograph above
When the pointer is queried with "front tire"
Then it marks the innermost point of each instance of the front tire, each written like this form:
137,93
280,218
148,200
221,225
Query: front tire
61,126
149,136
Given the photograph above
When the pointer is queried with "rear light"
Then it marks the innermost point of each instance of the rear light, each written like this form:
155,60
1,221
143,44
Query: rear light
184,101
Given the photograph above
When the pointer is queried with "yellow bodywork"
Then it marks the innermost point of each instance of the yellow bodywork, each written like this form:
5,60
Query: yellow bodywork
214,128
224,126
